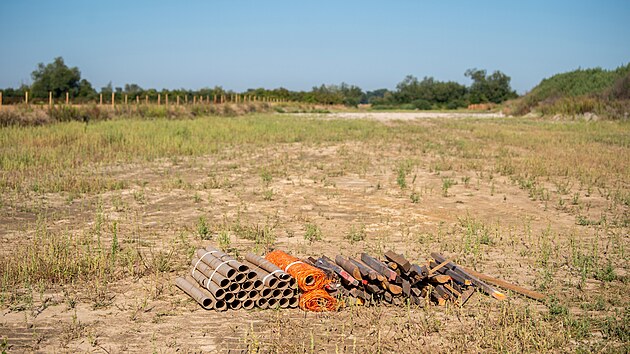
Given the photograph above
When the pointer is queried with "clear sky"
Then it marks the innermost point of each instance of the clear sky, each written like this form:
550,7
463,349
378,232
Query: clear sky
300,44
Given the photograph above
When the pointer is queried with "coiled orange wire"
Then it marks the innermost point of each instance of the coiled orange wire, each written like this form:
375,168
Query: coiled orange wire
314,297
300,271
318,301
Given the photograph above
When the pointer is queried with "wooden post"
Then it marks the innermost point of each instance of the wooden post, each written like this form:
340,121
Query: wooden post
0,99
67,98
49,98
101,100
207,98
146,99
138,99
125,99
178,100
214,99
113,96
26,97
159,98
167,99
186,99
194,99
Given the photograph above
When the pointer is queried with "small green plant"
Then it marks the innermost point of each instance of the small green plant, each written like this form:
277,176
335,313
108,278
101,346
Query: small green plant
356,234
313,233
401,180
415,197
556,308
196,198
223,240
266,177
446,184
268,194
202,229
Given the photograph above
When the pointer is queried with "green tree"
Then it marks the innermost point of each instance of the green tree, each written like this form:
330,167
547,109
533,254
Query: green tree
57,78
493,88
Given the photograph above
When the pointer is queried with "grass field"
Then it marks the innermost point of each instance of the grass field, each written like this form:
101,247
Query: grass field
99,218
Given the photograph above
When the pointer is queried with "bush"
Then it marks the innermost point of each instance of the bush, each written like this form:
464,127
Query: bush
422,104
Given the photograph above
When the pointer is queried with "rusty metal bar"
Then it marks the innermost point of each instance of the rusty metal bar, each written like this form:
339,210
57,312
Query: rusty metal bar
367,272
349,267
327,262
476,281
399,260
506,285
379,266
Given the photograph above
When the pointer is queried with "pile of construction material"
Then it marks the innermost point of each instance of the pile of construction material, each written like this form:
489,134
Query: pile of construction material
219,282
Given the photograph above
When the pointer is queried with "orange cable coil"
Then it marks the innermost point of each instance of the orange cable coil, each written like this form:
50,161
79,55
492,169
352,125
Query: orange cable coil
318,300
308,277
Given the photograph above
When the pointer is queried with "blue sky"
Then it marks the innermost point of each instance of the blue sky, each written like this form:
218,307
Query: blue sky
300,44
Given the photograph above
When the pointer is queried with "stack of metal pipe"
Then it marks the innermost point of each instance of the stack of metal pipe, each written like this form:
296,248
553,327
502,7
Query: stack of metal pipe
217,281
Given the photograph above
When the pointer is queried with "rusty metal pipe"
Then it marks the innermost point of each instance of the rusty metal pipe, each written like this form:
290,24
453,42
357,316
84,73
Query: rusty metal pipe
240,277
220,305
235,304
288,293
258,284
207,271
283,284
195,292
247,285
253,294
267,278
276,294
293,302
228,297
262,303
234,288
216,264
211,286
272,303
251,275
266,265
249,304
240,267
241,295
266,293
283,303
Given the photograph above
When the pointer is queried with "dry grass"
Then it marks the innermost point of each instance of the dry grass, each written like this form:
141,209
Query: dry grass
101,217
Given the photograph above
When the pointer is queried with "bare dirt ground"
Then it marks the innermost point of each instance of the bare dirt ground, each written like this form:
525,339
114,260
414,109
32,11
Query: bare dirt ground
344,188
404,116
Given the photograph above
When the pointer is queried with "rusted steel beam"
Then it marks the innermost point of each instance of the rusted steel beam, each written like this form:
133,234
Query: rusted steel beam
440,278
327,262
399,260
466,295
349,267
406,287
367,272
476,281
379,267
506,285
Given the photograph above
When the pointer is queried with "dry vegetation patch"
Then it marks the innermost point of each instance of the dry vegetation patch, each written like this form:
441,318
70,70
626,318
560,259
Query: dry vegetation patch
98,219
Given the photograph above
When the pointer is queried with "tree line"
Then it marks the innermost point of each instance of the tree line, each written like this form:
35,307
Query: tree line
57,78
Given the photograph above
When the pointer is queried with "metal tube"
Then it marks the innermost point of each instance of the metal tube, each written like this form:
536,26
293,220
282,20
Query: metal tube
258,284
294,301
239,277
288,293
253,294
195,292
262,303
249,304
211,286
228,297
235,305
226,257
266,293
283,303
282,284
266,265
247,285
276,294
251,275
216,264
207,271
272,303
241,295
268,280
220,305
234,287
